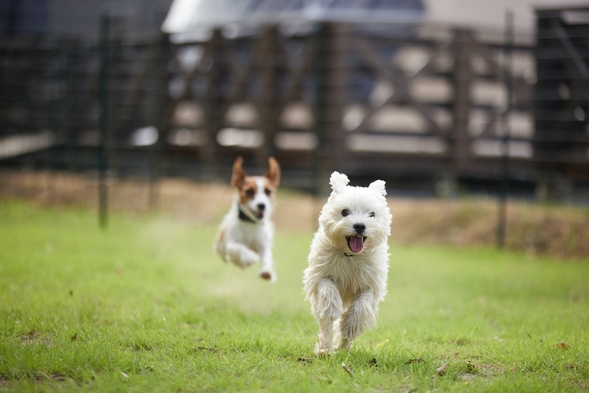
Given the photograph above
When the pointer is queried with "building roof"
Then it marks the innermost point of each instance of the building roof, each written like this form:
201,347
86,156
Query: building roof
194,19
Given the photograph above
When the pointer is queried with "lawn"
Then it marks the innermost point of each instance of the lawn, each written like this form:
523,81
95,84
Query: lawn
147,306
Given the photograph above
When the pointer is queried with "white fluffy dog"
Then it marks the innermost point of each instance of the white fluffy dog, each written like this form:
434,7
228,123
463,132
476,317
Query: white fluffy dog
348,262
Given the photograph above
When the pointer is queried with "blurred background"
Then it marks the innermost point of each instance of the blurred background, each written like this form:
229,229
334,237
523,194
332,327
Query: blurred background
107,101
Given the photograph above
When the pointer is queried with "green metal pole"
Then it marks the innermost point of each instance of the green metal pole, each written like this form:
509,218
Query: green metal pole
103,102
319,67
56,114
504,185
158,114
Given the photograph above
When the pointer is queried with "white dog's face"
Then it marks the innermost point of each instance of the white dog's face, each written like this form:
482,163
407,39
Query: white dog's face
356,219
255,197
256,193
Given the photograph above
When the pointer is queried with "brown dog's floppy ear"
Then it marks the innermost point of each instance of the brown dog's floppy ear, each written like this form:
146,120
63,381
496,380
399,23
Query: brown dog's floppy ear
238,176
273,174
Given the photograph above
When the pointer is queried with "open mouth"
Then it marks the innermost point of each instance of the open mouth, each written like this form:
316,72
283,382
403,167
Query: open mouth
259,214
356,243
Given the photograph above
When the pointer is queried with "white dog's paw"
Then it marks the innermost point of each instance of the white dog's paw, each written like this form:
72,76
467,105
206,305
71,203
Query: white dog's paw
321,352
247,257
268,275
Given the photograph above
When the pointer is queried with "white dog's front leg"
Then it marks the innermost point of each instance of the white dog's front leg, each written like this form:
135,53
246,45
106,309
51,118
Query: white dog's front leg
360,315
240,254
327,308
267,265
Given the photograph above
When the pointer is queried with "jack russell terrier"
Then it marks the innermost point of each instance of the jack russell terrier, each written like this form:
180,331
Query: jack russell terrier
246,233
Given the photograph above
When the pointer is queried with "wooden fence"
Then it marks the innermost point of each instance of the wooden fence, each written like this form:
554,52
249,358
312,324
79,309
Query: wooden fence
427,102
421,106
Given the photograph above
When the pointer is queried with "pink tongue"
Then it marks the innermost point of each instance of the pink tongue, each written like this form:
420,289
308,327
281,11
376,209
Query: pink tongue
356,243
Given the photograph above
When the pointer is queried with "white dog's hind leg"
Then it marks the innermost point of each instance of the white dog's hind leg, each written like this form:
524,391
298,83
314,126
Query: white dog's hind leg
326,309
241,255
360,315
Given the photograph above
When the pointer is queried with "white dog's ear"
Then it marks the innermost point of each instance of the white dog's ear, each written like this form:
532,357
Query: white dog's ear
379,186
338,182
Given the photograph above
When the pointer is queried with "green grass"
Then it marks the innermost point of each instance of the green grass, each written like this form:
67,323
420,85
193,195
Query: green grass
147,306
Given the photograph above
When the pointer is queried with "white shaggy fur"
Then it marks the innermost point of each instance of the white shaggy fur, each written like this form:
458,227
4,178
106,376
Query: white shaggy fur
345,281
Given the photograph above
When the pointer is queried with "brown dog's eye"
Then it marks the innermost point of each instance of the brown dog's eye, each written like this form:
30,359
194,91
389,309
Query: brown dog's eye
345,212
249,192
267,191
372,214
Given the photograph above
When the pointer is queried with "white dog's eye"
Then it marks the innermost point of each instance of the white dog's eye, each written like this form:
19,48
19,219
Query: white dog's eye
372,214
345,212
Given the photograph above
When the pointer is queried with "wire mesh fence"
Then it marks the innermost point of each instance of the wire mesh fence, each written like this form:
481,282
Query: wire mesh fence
433,110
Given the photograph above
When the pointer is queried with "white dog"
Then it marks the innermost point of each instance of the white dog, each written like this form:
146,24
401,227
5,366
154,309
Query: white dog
246,233
348,262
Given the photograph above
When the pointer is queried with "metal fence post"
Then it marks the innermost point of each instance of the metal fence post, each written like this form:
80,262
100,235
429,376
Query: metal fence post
504,183
319,46
159,113
55,120
103,103
214,103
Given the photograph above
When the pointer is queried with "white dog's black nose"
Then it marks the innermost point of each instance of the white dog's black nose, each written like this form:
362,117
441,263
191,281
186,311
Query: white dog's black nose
360,228
261,206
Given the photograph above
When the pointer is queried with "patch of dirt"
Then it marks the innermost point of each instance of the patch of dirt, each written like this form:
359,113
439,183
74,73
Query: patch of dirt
5,383
532,228
34,338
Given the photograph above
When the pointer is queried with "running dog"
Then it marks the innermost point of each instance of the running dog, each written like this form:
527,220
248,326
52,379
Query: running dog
348,262
246,233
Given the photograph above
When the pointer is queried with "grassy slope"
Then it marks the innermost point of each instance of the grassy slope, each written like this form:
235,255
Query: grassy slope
146,306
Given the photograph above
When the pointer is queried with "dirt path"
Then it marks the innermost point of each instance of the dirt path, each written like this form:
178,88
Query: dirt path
535,229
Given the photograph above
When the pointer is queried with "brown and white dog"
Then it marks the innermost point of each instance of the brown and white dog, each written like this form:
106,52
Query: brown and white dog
246,233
